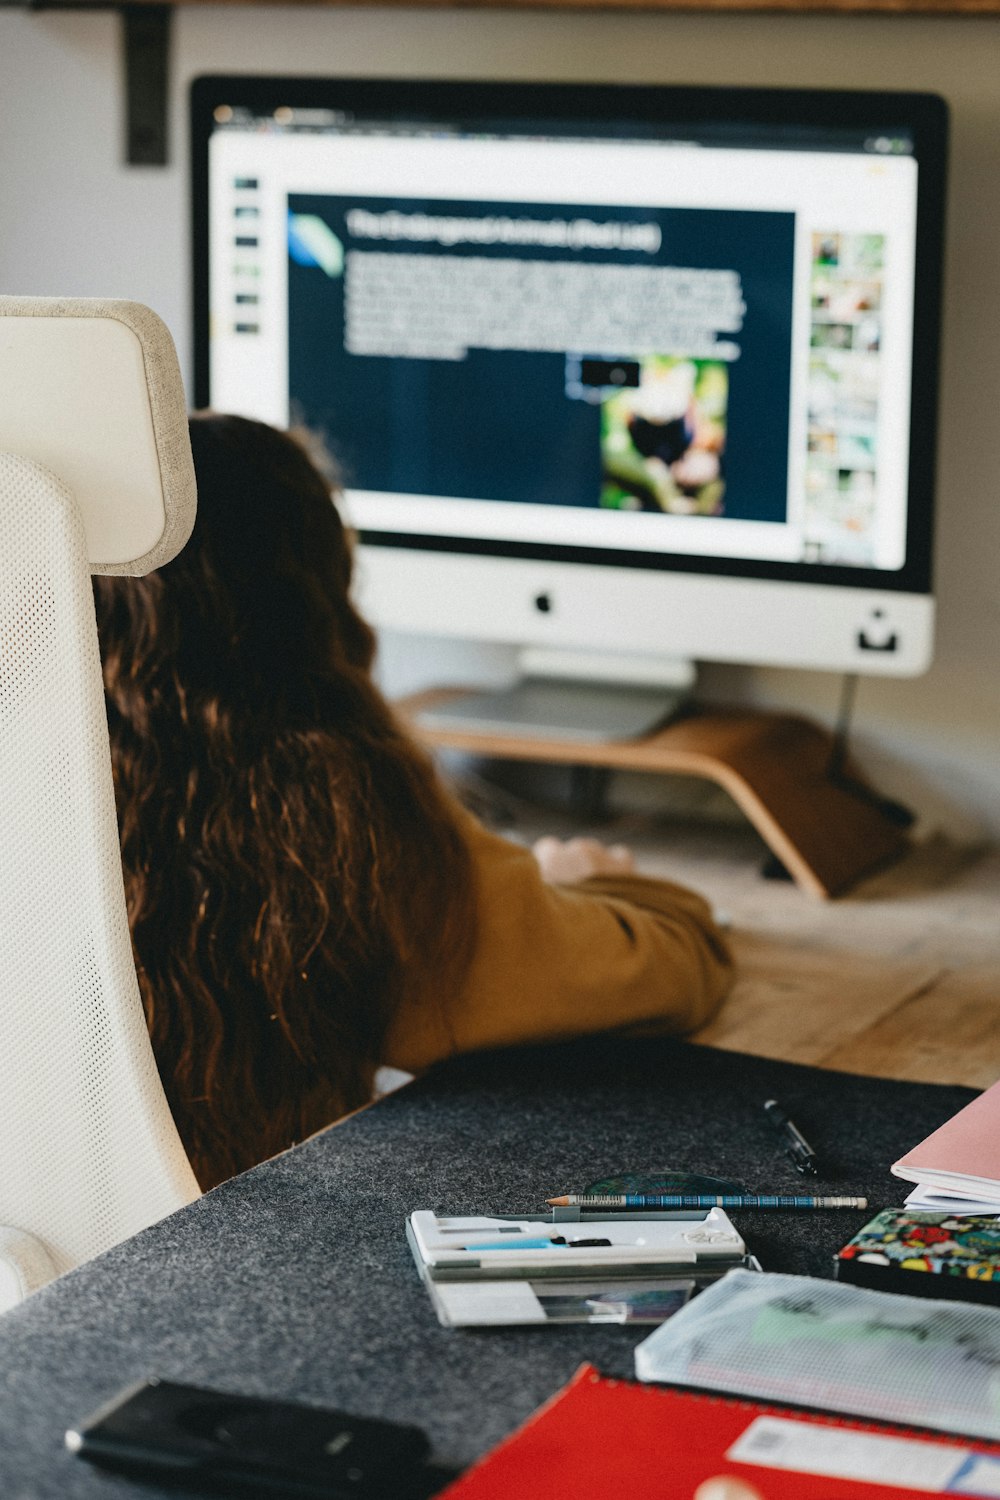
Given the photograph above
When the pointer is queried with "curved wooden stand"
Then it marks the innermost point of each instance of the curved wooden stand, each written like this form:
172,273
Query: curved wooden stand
827,833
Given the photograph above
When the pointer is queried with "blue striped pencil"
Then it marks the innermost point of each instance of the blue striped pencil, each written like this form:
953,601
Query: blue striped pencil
704,1200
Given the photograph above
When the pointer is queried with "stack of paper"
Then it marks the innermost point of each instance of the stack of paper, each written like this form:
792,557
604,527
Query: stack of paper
957,1167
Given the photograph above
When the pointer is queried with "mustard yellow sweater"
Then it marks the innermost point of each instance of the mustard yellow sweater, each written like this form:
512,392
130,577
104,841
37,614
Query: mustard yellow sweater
553,962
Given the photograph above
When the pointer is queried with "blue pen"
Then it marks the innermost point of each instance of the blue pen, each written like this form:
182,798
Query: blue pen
511,1244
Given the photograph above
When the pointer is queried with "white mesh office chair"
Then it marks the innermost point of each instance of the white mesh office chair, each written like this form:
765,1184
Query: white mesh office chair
95,477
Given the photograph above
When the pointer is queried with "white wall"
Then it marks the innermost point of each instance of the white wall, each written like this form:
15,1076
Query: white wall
74,220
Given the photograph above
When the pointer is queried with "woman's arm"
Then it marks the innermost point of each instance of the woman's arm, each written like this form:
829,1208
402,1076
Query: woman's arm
552,961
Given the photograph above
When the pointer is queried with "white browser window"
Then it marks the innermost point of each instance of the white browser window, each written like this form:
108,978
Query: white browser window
630,345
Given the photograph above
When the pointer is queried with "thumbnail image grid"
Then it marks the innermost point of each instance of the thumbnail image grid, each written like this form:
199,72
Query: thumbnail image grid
846,286
663,439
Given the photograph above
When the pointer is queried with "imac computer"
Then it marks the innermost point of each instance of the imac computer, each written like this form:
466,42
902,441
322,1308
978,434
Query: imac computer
629,377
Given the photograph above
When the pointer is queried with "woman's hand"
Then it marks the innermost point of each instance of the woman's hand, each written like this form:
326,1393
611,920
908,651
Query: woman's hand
568,861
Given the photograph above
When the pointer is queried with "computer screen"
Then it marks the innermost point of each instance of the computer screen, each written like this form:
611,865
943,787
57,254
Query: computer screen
648,368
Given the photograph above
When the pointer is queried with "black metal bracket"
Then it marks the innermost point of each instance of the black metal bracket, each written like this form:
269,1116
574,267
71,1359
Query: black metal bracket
146,61
146,43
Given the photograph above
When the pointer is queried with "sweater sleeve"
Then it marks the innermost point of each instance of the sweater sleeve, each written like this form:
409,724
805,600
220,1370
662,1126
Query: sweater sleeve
552,962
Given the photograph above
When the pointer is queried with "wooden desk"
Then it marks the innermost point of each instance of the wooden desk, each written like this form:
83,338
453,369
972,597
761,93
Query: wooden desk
901,980
898,979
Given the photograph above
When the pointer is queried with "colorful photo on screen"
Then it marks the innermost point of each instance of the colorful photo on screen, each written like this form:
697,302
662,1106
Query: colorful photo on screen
663,440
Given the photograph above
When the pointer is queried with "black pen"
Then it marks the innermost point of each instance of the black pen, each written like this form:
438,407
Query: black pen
802,1155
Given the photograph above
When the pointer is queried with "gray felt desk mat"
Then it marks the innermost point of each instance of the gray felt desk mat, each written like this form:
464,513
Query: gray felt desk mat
294,1280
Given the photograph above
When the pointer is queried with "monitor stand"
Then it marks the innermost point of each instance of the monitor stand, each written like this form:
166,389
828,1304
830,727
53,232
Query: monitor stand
577,697
819,818
578,711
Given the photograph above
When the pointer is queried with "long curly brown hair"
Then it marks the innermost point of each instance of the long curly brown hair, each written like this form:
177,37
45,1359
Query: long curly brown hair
289,856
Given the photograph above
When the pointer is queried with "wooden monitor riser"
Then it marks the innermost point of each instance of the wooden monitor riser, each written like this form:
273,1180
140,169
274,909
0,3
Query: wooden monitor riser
774,766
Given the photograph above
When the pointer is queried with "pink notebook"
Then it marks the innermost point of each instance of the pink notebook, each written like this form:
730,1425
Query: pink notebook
961,1157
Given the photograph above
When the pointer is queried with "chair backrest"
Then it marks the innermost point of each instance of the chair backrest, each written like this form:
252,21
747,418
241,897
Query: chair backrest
95,476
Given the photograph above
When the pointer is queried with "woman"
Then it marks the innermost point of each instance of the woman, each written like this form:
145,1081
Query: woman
306,901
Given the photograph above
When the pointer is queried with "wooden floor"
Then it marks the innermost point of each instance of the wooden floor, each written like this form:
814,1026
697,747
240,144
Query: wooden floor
899,979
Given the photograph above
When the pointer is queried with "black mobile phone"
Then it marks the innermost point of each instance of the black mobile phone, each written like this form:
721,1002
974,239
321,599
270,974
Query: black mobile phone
245,1445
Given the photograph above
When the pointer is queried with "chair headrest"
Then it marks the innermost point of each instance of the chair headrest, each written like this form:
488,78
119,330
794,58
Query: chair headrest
91,390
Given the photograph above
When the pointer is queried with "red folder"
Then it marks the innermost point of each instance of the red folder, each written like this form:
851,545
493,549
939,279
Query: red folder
603,1439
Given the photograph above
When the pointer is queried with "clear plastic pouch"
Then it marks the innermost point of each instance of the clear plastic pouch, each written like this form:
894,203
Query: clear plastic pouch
840,1348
